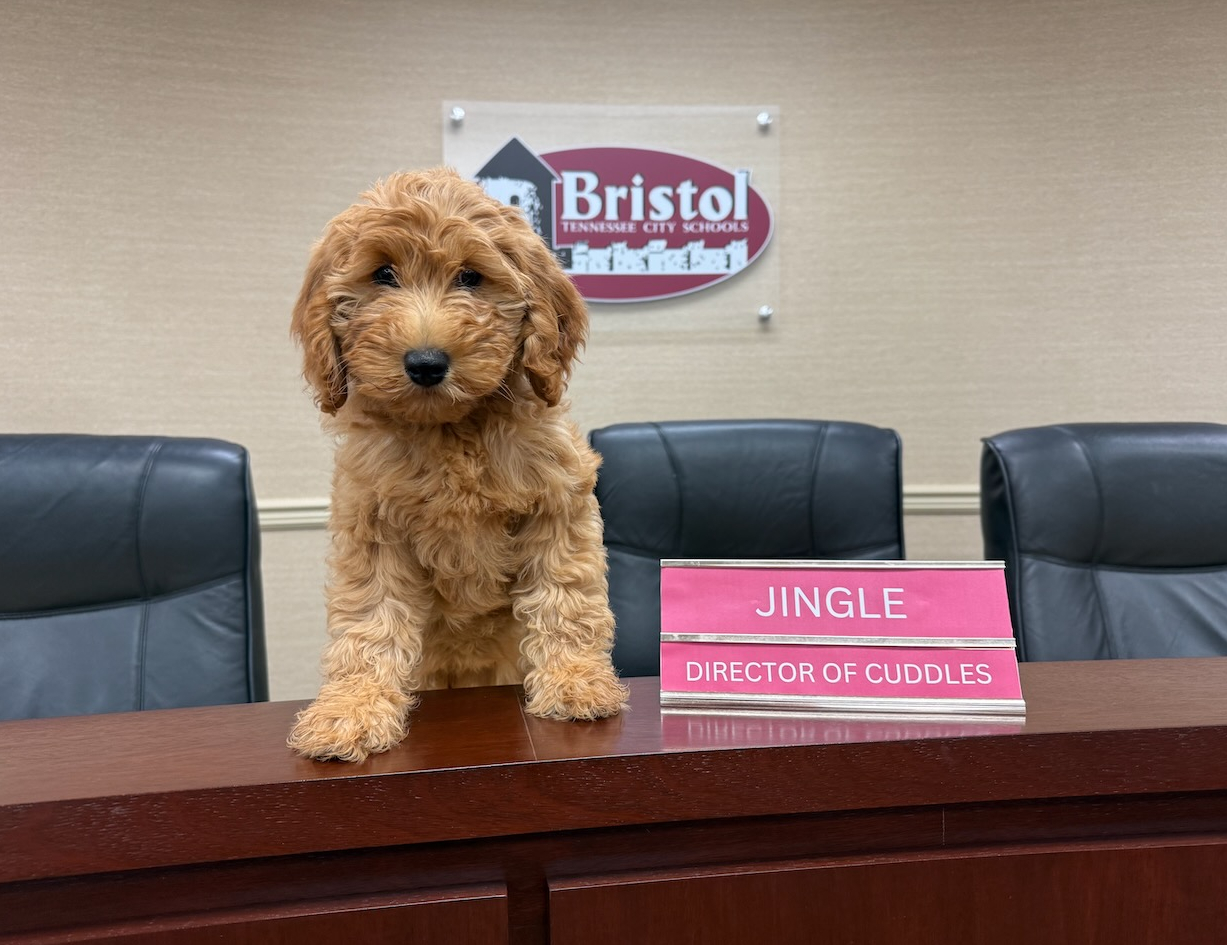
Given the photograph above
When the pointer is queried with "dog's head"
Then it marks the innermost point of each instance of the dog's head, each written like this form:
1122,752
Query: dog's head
427,297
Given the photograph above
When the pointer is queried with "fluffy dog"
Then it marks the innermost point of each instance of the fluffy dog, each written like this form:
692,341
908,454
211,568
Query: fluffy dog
438,333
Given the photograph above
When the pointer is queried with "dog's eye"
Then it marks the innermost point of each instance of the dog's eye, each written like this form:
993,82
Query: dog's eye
468,279
385,275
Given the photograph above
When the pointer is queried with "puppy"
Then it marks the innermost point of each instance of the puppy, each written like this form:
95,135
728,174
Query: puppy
438,333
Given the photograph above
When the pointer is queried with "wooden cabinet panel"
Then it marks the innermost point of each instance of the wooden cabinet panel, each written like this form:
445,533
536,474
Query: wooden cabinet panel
1102,822
469,915
1174,894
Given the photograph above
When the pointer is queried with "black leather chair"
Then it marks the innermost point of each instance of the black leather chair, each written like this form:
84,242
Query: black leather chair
1114,537
129,575
780,489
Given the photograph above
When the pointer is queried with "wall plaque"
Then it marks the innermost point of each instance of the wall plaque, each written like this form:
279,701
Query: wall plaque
640,204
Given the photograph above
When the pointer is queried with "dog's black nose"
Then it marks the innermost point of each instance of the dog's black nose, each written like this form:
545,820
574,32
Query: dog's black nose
426,367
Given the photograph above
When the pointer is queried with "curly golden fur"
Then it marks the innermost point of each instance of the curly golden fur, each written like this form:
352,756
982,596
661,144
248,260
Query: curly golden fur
438,333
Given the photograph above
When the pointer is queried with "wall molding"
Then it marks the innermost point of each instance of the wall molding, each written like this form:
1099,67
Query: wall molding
285,515
941,500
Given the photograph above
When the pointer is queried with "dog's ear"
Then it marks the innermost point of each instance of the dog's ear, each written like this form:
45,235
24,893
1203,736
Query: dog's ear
311,325
556,323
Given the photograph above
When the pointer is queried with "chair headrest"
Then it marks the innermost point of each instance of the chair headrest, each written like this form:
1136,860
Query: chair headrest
1123,494
92,519
750,488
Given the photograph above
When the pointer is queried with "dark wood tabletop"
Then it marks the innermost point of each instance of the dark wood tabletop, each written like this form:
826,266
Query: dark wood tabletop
1080,822
80,793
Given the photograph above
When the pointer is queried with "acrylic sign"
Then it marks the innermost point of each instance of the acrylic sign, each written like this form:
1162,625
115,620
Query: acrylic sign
839,636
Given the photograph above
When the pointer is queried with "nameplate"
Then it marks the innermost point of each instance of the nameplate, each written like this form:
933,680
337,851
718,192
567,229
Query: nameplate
842,637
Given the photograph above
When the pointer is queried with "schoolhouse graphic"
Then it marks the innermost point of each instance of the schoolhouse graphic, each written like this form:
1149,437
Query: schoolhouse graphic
519,178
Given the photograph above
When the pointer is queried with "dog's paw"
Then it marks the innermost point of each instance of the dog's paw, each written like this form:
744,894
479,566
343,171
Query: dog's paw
581,692
348,727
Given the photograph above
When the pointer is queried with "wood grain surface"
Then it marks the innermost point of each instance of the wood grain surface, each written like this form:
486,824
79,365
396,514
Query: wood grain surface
137,818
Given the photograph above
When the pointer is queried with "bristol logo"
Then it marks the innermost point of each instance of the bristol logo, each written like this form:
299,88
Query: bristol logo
632,224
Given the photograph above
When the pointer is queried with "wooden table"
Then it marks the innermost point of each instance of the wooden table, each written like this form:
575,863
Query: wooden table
1102,819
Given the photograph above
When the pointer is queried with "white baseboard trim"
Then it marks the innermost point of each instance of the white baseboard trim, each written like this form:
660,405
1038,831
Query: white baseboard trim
941,500
283,515
286,515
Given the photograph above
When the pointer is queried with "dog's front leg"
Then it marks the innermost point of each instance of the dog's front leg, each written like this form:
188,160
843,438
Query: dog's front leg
369,666
563,601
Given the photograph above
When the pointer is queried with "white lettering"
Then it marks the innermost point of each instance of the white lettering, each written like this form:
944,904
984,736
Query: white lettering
875,673
716,226
637,197
584,198
573,193
860,593
741,188
661,199
685,192
840,602
715,204
612,196
847,602
799,598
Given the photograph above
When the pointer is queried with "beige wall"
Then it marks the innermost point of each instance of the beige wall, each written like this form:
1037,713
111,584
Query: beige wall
991,214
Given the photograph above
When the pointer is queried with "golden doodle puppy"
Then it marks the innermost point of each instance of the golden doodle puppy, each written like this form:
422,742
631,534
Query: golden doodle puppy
438,333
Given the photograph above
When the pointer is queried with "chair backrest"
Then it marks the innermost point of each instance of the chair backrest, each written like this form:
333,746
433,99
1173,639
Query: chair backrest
1114,537
786,489
129,575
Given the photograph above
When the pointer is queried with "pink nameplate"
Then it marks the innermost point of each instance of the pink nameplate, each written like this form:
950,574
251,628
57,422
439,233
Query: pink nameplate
839,671
837,599
848,637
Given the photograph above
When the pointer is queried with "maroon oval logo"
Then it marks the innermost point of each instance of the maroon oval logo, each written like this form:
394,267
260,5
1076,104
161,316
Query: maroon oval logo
633,224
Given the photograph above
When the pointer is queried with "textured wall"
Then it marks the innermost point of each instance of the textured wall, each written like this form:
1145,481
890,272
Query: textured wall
991,214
